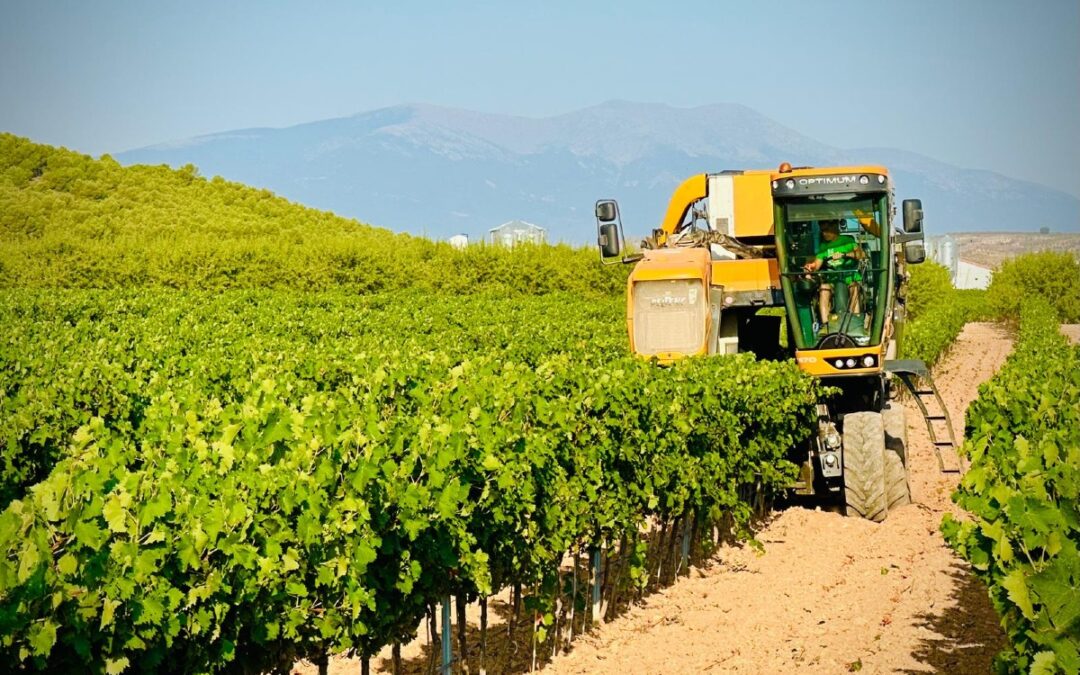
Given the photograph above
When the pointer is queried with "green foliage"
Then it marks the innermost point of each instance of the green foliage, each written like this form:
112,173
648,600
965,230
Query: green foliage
1050,275
67,220
240,479
67,356
937,312
928,286
1023,440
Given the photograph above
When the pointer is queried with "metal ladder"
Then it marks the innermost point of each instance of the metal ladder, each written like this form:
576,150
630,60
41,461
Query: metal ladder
916,377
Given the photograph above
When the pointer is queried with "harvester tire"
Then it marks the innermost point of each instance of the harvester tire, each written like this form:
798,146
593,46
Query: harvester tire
897,485
864,466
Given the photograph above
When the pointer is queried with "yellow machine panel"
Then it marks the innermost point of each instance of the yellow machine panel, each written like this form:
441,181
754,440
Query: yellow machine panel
805,172
740,204
667,304
825,362
753,205
752,274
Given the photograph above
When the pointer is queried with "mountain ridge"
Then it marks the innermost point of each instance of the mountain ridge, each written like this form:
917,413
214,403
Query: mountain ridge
440,170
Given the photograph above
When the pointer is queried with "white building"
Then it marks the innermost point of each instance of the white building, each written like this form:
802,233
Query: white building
517,231
459,241
970,275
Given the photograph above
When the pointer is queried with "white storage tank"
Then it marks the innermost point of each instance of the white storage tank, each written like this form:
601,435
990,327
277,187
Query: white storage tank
948,256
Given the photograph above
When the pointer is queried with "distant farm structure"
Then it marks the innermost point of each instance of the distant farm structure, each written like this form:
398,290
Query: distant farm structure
963,273
516,232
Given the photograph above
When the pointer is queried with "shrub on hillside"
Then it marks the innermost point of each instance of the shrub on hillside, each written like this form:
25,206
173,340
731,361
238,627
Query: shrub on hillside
70,221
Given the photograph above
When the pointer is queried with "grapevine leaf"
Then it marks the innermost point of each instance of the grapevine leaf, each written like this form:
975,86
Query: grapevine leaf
89,534
108,610
43,637
114,514
1044,663
67,564
1056,590
1016,586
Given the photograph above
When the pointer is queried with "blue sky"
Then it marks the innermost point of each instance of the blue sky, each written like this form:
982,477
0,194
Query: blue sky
990,84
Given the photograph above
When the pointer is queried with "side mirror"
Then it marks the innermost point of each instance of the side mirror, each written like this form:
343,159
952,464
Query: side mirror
609,229
914,252
607,211
609,240
913,215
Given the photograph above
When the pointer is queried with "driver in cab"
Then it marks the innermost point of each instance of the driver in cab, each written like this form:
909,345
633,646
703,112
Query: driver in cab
839,253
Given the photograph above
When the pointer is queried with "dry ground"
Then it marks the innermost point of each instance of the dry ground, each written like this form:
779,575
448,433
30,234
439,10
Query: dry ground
990,249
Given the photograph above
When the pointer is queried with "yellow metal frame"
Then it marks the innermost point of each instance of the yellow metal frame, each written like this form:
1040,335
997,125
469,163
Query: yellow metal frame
689,191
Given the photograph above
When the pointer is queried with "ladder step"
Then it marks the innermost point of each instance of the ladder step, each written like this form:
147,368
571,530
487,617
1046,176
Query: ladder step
924,392
949,443
935,417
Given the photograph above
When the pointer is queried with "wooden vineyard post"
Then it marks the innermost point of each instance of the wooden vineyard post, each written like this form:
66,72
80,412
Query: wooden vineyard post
483,634
459,614
684,562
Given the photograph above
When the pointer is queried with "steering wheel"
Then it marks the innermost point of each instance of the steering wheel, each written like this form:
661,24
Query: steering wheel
836,341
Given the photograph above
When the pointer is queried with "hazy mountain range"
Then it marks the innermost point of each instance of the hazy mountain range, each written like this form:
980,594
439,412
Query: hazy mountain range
441,171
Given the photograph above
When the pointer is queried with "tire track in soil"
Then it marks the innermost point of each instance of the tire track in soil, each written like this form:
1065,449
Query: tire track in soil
831,594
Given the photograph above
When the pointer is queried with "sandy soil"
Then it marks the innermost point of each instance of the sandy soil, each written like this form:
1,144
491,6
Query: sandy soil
829,595
1072,331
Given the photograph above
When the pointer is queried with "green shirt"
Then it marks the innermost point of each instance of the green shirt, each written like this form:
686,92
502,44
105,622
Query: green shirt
843,245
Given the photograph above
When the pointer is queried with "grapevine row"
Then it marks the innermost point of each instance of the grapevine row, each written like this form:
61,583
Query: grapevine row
1023,491
296,477
66,356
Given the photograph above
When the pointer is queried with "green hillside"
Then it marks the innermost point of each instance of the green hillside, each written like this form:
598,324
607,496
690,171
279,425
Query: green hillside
68,220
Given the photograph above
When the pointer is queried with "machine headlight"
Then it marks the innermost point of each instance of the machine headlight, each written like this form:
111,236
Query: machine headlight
789,184
881,179
850,363
868,361
839,363
864,180
775,184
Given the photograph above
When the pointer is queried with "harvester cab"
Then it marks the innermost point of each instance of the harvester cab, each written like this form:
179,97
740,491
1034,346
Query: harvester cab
801,263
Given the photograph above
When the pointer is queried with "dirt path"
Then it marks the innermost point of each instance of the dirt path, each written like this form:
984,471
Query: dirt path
830,595
1072,331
